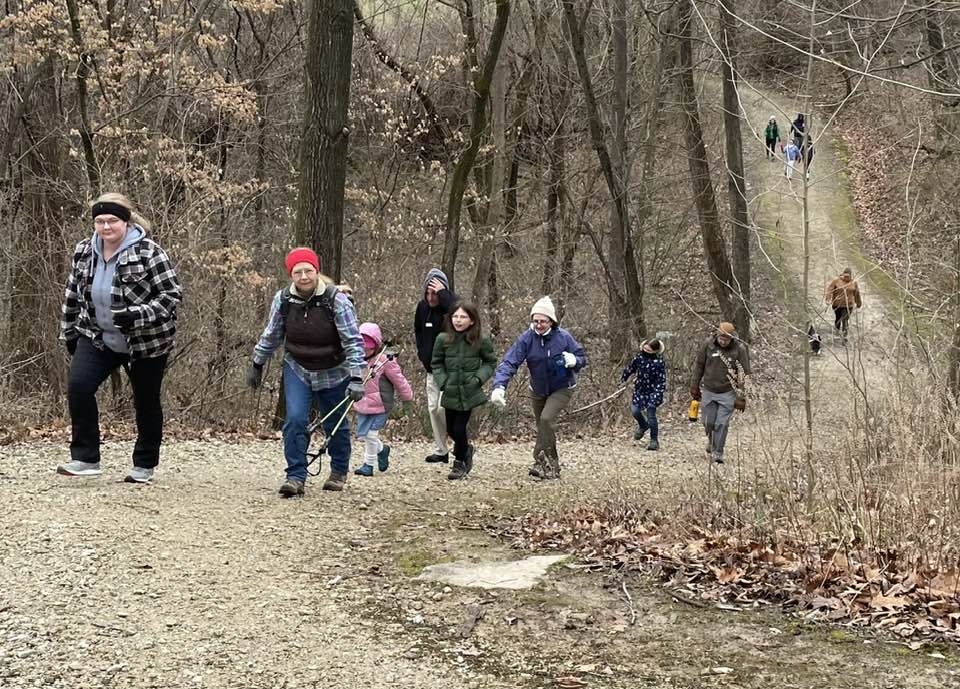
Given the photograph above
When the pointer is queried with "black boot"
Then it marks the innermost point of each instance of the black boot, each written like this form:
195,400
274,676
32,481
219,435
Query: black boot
459,469
468,459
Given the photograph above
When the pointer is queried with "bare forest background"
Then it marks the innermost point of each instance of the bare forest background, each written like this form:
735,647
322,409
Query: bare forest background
591,150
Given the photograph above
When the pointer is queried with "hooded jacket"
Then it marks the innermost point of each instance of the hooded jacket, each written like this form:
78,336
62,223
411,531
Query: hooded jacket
543,356
428,322
386,383
843,292
651,381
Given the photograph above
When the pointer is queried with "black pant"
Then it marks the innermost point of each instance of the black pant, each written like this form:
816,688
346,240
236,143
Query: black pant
842,315
88,369
457,429
771,148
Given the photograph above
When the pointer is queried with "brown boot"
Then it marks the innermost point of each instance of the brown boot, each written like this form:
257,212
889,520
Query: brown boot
539,467
458,471
336,481
291,488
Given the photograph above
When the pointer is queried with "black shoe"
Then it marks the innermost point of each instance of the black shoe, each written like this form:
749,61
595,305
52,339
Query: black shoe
458,471
438,459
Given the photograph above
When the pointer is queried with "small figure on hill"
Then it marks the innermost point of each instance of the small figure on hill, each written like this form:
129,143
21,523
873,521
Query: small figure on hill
798,129
815,340
553,358
385,386
791,154
119,309
463,360
428,322
842,294
807,155
323,361
719,382
771,137
648,389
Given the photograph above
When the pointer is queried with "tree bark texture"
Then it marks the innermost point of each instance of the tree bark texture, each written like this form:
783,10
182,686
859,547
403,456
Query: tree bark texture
326,133
83,71
478,127
736,188
718,263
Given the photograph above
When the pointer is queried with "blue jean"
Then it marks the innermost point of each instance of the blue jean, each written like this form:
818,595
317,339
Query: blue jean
646,419
298,396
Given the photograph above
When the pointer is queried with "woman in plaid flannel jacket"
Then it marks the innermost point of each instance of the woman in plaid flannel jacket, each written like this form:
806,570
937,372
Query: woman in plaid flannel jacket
119,309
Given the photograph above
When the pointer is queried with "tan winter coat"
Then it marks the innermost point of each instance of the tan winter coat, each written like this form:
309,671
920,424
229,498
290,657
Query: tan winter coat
843,291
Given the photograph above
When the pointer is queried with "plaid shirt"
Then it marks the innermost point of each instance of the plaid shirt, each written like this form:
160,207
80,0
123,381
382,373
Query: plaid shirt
145,282
345,318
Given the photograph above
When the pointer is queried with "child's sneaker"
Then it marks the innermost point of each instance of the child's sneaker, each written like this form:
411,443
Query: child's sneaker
638,434
364,470
383,458
77,468
653,444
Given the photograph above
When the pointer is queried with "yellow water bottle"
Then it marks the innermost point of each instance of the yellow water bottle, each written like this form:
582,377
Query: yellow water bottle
694,412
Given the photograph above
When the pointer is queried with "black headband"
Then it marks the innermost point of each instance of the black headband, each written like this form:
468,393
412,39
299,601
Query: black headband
110,208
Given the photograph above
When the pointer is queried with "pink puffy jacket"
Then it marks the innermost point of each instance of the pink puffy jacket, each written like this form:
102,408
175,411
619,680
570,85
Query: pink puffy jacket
387,383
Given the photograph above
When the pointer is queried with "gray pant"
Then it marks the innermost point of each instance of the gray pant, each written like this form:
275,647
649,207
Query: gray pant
716,408
545,411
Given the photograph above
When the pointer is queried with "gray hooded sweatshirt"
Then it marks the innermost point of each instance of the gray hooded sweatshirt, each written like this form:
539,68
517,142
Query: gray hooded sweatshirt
101,289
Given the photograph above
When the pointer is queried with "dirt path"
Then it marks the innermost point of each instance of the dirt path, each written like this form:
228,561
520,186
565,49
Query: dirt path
207,579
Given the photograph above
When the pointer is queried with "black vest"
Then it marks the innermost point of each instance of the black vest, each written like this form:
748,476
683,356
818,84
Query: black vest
312,338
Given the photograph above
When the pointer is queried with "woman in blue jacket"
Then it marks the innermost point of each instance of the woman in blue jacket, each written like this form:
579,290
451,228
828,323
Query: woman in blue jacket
553,358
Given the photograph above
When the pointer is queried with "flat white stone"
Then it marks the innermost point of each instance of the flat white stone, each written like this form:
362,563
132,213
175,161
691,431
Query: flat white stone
519,574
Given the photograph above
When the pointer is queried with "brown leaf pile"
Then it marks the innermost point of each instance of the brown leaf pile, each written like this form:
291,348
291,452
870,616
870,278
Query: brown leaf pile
835,583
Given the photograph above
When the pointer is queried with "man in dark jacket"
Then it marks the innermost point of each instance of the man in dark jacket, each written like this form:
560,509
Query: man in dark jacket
428,322
719,381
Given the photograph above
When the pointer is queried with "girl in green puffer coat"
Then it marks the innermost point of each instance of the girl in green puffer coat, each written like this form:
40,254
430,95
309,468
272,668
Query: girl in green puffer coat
463,360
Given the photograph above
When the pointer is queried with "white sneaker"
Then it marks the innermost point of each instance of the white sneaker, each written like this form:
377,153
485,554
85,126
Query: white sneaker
77,468
139,475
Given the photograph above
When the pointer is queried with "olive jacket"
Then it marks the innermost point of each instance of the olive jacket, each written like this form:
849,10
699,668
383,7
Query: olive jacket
460,370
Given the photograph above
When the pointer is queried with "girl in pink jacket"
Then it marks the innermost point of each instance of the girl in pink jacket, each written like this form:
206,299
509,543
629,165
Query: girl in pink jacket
385,386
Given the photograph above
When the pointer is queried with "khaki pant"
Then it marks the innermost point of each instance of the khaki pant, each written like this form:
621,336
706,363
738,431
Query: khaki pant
545,411
438,420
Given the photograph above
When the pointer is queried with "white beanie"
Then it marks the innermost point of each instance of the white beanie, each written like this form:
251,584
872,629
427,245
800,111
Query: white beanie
544,307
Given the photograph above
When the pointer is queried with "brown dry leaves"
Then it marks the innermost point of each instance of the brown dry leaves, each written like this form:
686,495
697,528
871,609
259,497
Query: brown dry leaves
836,583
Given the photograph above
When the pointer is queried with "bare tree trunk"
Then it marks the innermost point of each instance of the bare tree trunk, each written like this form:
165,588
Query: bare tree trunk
617,335
721,275
325,139
945,111
478,127
633,299
493,221
83,71
736,188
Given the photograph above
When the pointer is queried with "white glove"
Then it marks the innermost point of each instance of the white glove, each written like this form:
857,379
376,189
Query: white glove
569,360
499,397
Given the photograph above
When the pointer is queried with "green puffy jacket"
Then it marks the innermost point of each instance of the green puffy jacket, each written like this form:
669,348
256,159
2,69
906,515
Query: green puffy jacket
460,370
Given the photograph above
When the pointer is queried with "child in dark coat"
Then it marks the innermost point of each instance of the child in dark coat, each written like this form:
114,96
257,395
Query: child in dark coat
649,387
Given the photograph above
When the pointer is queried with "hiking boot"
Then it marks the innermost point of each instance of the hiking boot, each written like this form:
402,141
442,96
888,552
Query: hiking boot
364,470
468,460
77,468
383,458
638,434
139,475
717,458
539,465
653,444
336,481
458,471
291,488
551,465
438,459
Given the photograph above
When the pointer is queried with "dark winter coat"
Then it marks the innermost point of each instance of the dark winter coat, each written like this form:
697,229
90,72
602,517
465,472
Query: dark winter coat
797,130
772,132
722,369
428,322
460,370
651,380
544,357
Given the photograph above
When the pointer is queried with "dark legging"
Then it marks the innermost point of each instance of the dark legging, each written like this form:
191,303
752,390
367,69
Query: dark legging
842,314
457,429
771,148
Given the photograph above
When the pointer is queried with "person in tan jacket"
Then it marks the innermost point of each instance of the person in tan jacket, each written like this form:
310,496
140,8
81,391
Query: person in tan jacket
843,294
